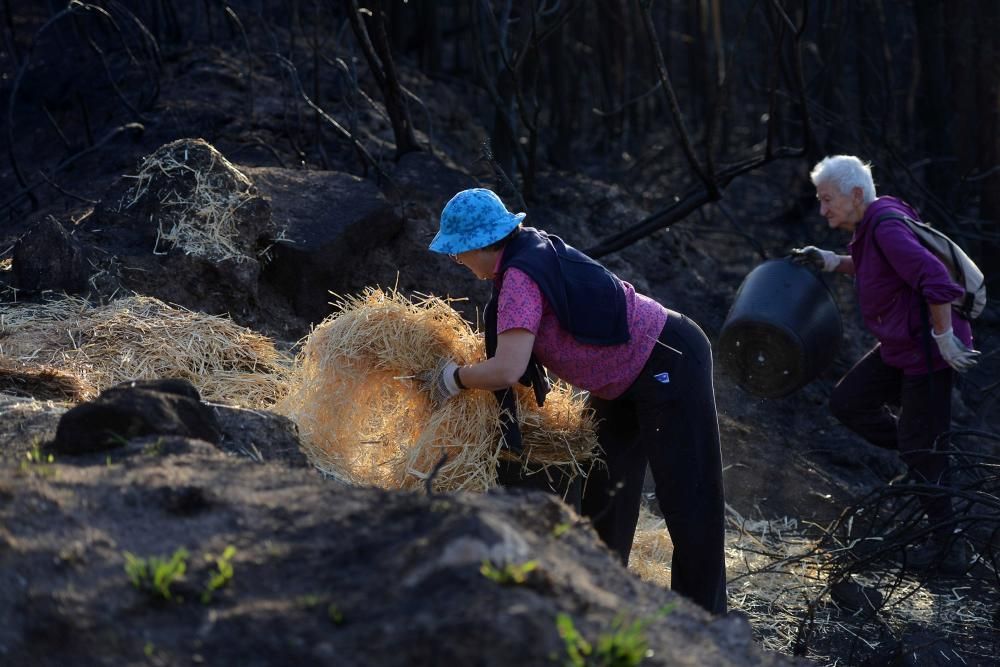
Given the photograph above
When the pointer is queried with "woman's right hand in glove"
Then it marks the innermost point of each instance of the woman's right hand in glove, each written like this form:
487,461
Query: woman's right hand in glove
824,260
442,382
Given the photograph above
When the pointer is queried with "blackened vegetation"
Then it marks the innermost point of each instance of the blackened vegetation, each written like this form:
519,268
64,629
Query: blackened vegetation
723,87
677,104
866,559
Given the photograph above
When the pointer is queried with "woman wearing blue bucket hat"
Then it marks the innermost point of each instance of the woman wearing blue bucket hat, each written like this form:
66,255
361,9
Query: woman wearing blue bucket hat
648,371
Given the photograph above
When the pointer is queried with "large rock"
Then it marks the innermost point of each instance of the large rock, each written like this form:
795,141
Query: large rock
188,228
260,435
328,221
47,257
135,409
427,179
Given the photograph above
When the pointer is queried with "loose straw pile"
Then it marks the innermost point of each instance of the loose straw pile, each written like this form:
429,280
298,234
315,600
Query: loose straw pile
198,194
42,382
144,338
364,417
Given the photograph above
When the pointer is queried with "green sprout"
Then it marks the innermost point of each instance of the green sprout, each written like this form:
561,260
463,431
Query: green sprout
312,600
624,646
510,573
336,616
441,505
222,574
35,455
155,574
309,600
38,461
560,529
154,449
577,648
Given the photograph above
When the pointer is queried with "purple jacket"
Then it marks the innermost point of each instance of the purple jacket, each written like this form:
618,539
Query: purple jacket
890,292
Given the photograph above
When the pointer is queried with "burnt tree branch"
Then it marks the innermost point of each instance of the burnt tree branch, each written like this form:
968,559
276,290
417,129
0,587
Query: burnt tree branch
366,159
375,46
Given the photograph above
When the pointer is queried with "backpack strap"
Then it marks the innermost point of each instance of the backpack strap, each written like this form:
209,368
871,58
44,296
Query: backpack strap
925,313
875,224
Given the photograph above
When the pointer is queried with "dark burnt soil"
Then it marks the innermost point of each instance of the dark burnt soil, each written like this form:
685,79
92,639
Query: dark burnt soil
327,574
320,573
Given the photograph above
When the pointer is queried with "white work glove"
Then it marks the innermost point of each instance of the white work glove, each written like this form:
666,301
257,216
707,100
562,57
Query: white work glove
440,382
824,260
954,351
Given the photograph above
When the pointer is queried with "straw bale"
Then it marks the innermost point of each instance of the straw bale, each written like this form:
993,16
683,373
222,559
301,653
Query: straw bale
195,196
144,338
363,416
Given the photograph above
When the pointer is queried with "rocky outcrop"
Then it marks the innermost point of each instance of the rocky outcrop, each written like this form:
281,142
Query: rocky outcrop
131,410
424,178
327,222
320,573
260,435
187,227
47,257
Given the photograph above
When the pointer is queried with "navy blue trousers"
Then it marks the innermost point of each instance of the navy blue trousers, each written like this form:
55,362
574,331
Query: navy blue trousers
907,413
667,419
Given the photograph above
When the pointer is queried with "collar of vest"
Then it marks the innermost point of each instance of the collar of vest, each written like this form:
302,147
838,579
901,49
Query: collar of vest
588,300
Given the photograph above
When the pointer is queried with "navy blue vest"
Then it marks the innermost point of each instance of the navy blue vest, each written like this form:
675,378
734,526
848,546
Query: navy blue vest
588,300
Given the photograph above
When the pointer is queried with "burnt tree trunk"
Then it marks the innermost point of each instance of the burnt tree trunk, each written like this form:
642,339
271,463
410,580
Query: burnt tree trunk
561,110
934,103
611,16
374,40
987,105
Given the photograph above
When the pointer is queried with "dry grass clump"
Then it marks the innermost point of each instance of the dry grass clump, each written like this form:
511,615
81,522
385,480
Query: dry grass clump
652,549
144,338
197,196
363,416
42,382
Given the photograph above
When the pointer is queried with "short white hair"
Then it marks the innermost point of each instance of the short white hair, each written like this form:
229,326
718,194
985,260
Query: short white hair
846,172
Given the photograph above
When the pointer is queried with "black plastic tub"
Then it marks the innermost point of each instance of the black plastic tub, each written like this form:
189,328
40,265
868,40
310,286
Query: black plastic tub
782,331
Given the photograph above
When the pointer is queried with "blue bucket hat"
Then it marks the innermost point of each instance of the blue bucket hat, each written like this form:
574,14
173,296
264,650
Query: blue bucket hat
473,219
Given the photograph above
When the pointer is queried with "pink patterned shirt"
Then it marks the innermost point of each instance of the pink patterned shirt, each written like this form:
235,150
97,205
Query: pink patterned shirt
606,371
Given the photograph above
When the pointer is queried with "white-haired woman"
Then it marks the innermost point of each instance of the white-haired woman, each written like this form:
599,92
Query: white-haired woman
898,396
648,370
